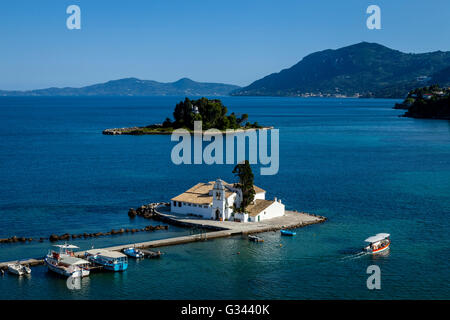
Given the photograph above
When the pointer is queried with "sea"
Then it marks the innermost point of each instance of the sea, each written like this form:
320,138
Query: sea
355,161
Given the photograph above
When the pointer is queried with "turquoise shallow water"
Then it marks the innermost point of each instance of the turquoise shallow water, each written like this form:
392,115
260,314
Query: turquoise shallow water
352,160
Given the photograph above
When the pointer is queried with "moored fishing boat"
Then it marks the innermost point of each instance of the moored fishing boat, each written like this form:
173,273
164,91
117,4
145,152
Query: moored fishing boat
288,233
378,243
134,253
109,260
64,262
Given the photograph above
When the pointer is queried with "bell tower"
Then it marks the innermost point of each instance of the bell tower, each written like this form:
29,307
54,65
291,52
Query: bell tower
219,200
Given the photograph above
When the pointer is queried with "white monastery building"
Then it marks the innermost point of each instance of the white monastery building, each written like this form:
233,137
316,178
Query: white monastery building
215,200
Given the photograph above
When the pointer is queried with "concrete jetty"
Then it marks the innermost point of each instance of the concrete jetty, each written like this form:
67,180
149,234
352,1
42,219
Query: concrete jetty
221,229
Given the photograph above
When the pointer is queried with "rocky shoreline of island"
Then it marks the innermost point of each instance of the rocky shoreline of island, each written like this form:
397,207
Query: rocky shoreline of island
152,130
211,113
432,102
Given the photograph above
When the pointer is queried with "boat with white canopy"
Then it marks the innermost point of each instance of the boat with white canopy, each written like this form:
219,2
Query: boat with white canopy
65,263
109,260
378,243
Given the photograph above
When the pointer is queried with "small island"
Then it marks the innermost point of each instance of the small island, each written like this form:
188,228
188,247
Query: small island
432,102
211,112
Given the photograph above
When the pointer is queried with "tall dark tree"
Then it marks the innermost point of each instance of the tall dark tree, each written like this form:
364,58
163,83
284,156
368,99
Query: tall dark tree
245,174
183,113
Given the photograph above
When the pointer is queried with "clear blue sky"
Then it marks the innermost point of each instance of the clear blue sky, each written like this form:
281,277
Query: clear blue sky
207,40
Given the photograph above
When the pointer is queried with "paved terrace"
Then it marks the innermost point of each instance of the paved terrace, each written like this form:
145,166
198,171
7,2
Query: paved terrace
292,219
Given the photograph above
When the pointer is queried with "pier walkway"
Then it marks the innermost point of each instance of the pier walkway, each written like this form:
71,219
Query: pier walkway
291,219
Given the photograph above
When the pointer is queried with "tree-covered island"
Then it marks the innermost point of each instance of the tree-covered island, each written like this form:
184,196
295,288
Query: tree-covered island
432,102
211,112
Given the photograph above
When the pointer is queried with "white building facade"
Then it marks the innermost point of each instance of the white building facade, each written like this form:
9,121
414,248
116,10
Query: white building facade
218,201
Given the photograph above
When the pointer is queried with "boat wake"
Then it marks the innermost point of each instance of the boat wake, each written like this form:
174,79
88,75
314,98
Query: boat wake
355,255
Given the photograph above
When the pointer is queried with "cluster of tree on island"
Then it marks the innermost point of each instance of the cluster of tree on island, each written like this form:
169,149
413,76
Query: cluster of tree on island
212,113
431,102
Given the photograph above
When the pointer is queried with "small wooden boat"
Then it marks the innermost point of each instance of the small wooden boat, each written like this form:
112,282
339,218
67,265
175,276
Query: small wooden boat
288,233
134,253
378,243
255,238
151,254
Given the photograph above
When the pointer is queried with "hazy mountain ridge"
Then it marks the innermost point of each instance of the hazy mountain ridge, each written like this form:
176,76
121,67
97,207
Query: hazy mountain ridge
363,69
134,87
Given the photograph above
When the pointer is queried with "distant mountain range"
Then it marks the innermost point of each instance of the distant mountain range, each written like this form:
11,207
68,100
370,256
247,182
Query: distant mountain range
363,69
135,87
360,70
441,77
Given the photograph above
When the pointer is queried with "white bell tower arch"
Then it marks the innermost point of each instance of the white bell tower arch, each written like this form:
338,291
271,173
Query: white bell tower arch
219,200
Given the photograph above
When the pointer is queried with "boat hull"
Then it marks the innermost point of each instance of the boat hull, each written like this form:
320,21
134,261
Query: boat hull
64,271
379,250
115,267
288,233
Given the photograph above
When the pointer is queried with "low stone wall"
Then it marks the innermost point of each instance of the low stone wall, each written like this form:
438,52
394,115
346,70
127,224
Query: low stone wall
156,215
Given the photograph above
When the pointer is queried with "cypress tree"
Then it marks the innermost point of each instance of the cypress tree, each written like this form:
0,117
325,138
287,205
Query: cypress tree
245,174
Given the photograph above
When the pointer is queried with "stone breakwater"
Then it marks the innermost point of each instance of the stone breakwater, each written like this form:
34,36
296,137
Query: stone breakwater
146,211
85,235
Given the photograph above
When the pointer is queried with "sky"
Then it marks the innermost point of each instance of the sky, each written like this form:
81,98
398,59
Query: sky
233,41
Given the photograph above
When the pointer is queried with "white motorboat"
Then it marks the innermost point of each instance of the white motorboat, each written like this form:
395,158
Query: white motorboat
65,263
378,243
16,268
26,269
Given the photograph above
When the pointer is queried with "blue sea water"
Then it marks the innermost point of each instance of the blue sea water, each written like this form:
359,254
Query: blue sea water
354,161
